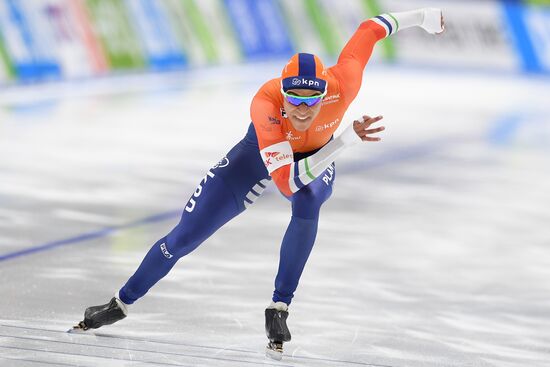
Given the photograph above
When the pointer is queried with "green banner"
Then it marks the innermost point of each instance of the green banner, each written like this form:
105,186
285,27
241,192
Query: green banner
204,31
303,33
322,23
111,25
538,2
373,9
201,30
217,29
6,67
192,31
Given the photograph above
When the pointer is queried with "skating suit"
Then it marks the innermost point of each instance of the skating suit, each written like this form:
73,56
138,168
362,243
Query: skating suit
263,155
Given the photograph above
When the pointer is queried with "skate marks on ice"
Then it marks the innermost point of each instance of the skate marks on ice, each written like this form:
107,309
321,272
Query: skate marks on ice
91,348
453,272
94,348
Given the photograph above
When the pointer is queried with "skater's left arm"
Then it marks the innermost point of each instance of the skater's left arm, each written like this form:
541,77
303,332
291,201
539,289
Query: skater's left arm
356,53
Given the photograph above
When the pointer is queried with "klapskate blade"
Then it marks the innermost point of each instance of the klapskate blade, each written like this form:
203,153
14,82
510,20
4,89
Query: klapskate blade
274,353
77,329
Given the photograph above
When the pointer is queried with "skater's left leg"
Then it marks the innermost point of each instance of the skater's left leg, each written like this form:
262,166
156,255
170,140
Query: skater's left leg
224,193
201,217
301,233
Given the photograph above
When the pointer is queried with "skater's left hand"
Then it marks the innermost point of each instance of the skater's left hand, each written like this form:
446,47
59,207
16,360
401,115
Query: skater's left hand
362,128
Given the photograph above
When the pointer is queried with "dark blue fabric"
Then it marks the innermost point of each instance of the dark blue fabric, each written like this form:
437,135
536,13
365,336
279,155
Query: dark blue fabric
304,82
220,197
306,65
390,29
300,234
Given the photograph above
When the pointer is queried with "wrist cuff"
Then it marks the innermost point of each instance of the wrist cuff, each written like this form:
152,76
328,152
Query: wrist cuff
349,136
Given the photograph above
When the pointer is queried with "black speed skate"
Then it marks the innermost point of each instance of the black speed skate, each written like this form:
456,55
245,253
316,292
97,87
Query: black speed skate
97,316
276,330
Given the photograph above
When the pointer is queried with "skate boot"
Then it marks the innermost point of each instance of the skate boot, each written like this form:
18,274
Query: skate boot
276,330
97,316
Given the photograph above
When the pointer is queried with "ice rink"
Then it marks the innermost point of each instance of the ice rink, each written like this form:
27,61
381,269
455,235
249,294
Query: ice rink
434,249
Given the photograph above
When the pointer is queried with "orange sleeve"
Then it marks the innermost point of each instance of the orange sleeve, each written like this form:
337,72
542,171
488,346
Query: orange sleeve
267,123
355,56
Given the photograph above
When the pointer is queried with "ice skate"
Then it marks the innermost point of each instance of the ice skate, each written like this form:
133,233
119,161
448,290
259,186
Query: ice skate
97,316
276,330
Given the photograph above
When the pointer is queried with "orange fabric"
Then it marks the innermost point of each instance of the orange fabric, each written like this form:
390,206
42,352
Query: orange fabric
344,82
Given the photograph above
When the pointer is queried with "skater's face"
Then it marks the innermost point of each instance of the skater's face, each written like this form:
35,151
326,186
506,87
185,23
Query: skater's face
302,116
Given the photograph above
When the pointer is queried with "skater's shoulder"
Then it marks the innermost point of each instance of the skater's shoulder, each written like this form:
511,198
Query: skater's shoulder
271,90
272,85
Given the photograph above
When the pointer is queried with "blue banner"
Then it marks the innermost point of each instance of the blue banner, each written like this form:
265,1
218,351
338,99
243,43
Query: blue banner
537,21
158,39
28,41
514,17
260,28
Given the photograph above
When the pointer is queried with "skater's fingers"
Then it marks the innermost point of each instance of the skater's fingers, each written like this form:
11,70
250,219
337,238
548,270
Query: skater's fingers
359,126
367,120
368,138
370,131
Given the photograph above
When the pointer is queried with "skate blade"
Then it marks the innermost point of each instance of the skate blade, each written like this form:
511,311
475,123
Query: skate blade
78,329
274,351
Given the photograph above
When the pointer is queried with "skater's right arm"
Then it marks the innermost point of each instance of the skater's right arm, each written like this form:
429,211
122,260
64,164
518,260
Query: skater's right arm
301,173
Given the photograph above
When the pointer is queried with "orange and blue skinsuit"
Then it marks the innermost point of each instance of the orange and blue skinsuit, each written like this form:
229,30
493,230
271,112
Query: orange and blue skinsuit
273,129
300,164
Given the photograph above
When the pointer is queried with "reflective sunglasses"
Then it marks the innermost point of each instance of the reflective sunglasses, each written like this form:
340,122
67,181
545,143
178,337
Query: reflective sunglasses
310,101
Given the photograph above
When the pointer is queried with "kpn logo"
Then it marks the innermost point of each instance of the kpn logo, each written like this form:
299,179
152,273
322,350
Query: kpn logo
306,82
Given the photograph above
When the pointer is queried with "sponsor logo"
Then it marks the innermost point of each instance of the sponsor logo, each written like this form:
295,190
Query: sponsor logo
329,175
291,137
191,204
165,251
224,162
308,82
270,157
333,98
274,120
326,126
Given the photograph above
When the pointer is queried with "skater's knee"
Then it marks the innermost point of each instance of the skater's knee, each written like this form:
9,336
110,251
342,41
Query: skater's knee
307,202
180,241
312,195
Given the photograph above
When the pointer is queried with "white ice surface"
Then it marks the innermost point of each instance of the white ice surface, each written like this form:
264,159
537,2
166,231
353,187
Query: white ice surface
433,251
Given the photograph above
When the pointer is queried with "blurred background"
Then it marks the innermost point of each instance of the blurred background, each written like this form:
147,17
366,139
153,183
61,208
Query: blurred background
433,251
80,39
